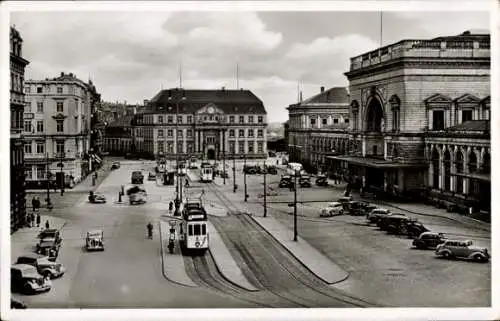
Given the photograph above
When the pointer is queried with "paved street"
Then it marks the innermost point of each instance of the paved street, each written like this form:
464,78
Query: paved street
129,272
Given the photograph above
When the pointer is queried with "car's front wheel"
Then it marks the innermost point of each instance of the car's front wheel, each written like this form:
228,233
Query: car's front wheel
446,255
48,274
480,258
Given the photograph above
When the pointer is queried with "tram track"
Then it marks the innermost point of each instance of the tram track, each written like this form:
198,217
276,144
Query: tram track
275,268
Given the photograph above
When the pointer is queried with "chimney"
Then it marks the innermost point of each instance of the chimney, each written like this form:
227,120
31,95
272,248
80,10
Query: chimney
71,74
223,88
145,102
301,96
62,73
322,89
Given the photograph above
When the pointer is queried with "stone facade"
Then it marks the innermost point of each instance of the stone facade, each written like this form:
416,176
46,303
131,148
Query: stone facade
57,130
212,124
17,103
317,127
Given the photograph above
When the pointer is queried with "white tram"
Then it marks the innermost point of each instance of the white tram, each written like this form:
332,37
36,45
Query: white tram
206,172
193,231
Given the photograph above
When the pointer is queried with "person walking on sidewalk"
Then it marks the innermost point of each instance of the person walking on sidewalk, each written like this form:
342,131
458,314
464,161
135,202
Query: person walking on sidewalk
33,203
38,220
47,225
28,220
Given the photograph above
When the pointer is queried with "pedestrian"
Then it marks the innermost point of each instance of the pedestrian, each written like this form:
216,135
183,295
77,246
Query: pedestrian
470,211
28,220
47,224
38,220
32,219
187,183
33,203
38,203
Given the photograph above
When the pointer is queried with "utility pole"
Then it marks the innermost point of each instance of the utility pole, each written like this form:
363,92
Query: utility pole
224,156
265,190
234,171
61,175
49,203
295,207
245,175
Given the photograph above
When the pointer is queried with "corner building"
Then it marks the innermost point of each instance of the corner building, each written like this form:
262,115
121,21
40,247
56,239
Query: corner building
212,124
420,113
57,131
17,103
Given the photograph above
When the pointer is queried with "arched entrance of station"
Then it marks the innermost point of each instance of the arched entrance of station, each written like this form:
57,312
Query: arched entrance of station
374,116
211,153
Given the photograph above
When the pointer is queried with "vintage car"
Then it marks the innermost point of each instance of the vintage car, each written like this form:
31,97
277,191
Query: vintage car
305,181
115,165
94,240
332,209
151,176
392,222
25,278
462,249
43,265
428,240
357,208
96,198
136,195
15,303
49,243
137,177
321,180
251,169
376,214
272,170
286,181
345,201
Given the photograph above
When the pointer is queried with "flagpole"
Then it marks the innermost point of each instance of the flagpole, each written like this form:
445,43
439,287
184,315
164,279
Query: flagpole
180,74
381,28
237,76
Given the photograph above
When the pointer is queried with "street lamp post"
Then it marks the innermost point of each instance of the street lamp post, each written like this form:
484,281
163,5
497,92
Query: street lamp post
234,172
265,190
295,207
245,175
49,203
224,156
178,190
61,173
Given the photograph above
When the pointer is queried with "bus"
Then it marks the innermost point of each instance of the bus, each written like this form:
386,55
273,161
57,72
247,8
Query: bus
292,168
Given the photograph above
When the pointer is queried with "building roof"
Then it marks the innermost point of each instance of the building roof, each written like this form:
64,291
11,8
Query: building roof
229,100
471,126
334,95
124,121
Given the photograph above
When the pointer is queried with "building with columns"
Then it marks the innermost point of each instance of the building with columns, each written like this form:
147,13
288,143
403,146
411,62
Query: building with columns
317,127
420,112
213,124
57,131
17,103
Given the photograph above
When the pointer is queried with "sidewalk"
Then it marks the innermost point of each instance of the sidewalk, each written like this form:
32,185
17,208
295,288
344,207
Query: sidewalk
225,261
173,264
315,261
24,240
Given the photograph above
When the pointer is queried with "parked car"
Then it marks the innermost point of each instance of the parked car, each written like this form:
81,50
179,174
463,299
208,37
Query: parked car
25,278
136,195
251,169
151,176
43,265
428,240
51,233
305,181
392,222
17,304
95,240
414,228
286,181
376,214
345,202
332,209
462,249
272,170
96,198
137,177
321,180
49,243
357,208
368,209
115,165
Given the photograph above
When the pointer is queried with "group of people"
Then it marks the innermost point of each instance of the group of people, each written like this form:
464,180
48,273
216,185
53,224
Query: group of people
33,220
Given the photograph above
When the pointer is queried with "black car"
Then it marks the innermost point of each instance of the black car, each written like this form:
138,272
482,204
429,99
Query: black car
415,228
390,223
357,208
272,170
305,181
321,180
285,181
137,177
428,240
115,165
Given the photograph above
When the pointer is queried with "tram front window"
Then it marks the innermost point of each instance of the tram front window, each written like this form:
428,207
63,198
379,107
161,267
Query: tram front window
197,229
203,229
190,230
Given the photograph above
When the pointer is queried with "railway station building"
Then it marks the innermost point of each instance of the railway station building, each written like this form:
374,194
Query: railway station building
420,121
201,123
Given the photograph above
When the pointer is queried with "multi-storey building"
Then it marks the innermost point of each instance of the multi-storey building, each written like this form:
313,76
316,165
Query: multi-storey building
420,119
57,129
118,136
317,127
203,123
17,103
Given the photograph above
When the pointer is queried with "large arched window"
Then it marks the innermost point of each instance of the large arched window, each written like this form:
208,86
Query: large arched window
395,104
459,167
486,168
472,162
374,115
447,169
435,166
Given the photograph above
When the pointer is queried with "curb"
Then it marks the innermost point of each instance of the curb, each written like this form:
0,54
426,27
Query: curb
348,274
163,262
436,215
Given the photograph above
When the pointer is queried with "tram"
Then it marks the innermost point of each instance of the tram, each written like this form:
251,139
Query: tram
194,238
206,173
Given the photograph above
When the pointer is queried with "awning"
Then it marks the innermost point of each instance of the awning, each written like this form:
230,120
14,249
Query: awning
376,163
480,177
96,158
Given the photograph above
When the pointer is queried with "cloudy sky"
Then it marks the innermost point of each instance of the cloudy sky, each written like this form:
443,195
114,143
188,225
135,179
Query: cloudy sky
130,55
